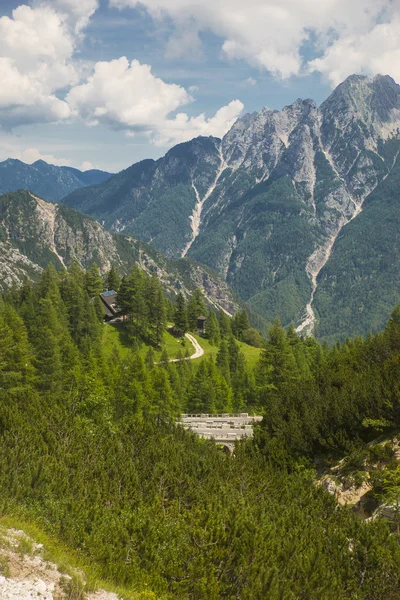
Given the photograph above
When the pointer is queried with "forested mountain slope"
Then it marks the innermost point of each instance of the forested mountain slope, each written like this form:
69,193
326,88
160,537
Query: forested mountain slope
89,449
265,205
47,181
360,283
34,232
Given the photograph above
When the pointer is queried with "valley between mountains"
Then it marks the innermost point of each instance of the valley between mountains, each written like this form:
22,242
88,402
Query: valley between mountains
294,213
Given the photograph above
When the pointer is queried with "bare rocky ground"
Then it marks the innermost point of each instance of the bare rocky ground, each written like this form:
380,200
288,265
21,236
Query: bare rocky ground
26,575
351,491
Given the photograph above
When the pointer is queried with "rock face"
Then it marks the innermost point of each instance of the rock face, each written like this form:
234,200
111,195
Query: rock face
266,205
48,181
34,233
30,577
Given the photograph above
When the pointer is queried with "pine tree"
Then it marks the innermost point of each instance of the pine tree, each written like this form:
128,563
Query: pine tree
196,308
277,365
124,296
94,282
224,324
163,406
150,359
223,360
49,286
212,329
239,324
113,280
156,311
16,370
180,317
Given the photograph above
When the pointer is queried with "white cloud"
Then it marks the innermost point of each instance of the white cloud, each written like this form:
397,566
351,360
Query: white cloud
128,96
36,49
270,34
78,12
183,128
42,80
31,155
378,51
86,166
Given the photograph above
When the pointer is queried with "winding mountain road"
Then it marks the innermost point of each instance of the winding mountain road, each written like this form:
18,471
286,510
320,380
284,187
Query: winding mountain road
199,351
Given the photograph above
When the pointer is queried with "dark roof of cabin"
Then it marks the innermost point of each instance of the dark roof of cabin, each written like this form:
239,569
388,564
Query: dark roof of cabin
110,300
106,311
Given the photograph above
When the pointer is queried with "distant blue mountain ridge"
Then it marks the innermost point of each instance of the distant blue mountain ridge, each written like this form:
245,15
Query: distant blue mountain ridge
45,180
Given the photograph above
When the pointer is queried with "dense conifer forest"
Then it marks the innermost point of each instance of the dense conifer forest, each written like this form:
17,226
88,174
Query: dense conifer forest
90,448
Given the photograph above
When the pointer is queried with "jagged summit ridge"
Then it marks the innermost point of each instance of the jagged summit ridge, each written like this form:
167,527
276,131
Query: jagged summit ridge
265,205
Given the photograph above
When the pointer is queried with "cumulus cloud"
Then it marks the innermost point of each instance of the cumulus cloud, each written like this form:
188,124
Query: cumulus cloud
78,12
42,80
378,51
36,48
125,94
270,34
31,155
86,166
128,96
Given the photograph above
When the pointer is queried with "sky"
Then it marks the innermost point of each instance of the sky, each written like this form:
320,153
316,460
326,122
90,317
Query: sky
106,83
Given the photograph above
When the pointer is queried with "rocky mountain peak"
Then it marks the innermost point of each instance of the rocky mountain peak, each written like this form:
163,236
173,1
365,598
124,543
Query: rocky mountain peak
372,101
266,205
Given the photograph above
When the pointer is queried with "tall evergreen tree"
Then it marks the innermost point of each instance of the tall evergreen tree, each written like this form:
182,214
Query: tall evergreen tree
113,280
224,324
94,281
196,307
156,310
212,329
180,317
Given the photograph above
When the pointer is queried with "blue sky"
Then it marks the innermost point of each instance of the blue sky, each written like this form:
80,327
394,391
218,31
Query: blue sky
69,96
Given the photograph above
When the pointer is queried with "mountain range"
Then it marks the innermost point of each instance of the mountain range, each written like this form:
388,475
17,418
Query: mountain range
48,181
280,207
295,210
34,233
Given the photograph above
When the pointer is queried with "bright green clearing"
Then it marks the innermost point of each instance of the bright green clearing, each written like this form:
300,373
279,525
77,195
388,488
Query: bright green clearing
114,337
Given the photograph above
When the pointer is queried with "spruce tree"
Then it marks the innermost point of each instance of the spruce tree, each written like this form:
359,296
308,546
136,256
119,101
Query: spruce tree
196,307
94,281
156,311
180,317
224,324
212,329
113,280
277,365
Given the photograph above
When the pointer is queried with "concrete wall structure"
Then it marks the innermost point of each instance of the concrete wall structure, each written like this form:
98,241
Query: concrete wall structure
224,428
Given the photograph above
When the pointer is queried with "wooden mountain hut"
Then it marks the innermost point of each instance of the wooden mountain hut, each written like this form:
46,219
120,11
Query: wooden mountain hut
201,324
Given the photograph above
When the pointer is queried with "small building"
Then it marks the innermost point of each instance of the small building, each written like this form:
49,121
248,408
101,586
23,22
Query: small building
109,305
201,324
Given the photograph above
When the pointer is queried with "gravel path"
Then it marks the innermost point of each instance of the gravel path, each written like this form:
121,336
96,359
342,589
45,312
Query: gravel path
198,350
